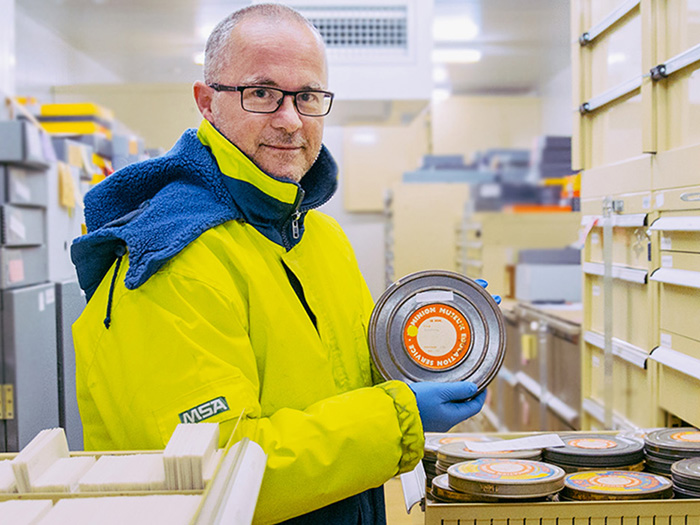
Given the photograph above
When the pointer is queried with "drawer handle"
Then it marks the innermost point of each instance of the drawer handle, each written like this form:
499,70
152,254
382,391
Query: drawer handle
691,196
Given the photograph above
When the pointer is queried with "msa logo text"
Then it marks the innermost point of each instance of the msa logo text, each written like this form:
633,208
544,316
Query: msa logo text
204,411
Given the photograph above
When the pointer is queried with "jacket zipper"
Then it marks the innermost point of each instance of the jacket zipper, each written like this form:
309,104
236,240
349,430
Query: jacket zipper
295,216
295,224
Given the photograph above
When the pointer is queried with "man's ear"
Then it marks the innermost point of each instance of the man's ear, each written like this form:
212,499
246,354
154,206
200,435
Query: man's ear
203,96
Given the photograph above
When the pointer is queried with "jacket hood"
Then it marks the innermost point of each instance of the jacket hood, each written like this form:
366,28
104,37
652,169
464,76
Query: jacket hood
155,208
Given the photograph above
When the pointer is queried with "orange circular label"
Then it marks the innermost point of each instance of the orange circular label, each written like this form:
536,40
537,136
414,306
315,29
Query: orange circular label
437,337
592,443
691,437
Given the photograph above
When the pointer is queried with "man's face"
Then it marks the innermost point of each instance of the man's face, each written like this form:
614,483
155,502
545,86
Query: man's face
287,56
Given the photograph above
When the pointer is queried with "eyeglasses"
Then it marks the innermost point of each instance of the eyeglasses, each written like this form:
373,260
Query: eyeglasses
263,99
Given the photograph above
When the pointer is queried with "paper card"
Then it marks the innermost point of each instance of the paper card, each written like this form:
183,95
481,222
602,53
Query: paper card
526,443
75,155
47,147
583,234
66,187
15,271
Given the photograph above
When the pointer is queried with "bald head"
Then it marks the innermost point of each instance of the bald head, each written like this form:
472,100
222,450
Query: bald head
220,48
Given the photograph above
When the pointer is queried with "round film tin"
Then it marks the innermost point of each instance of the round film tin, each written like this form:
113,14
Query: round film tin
453,453
687,473
442,491
437,326
595,450
506,478
669,442
616,485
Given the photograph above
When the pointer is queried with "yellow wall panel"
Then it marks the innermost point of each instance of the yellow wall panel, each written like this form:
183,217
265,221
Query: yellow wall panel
376,157
424,218
465,125
157,112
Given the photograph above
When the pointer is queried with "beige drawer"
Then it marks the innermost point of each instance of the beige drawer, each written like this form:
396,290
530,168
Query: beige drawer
677,169
682,22
616,55
632,204
633,303
679,110
679,293
630,247
678,377
615,132
678,199
633,392
626,180
679,231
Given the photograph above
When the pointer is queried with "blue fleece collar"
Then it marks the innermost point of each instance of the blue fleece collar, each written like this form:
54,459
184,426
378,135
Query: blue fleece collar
157,207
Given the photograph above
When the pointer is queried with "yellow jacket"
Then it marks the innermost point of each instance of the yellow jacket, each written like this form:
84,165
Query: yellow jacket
218,331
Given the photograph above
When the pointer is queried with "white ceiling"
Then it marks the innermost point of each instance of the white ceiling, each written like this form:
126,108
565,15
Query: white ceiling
523,42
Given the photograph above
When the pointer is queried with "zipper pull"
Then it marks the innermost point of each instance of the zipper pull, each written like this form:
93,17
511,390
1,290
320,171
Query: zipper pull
295,225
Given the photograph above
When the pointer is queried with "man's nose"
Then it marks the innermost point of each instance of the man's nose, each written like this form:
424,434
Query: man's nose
286,117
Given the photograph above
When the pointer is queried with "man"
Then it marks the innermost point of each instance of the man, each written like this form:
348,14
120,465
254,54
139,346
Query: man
216,289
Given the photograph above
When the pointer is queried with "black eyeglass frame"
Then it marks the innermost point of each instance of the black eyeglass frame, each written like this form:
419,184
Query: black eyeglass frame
223,87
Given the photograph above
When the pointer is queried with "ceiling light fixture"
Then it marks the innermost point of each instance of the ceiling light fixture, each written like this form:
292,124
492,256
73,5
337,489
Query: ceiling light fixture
454,29
441,94
456,56
440,74
198,58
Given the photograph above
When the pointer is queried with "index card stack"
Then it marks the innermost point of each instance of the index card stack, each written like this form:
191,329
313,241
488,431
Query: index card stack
37,457
7,477
125,473
189,454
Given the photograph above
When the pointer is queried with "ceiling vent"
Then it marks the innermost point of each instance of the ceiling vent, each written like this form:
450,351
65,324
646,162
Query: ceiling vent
374,33
378,50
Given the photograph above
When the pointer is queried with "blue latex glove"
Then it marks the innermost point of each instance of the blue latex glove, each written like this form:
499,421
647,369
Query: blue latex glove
443,405
484,284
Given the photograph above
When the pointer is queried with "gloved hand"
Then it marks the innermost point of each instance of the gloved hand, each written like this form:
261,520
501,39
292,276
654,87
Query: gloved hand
484,284
443,405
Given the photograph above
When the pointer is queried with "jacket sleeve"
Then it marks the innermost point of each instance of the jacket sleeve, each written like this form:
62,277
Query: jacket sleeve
192,349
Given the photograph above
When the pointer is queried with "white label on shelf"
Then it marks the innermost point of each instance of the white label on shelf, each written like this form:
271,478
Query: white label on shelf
595,238
659,200
595,361
646,202
667,261
490,191
665,243
17,227
50,296
526,443
41,302
666,340
595,290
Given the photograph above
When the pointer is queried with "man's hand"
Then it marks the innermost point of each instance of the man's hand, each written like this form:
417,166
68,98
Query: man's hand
443,405
483,283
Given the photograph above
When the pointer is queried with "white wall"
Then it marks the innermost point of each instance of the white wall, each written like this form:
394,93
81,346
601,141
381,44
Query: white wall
365,230
45,60
557,104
